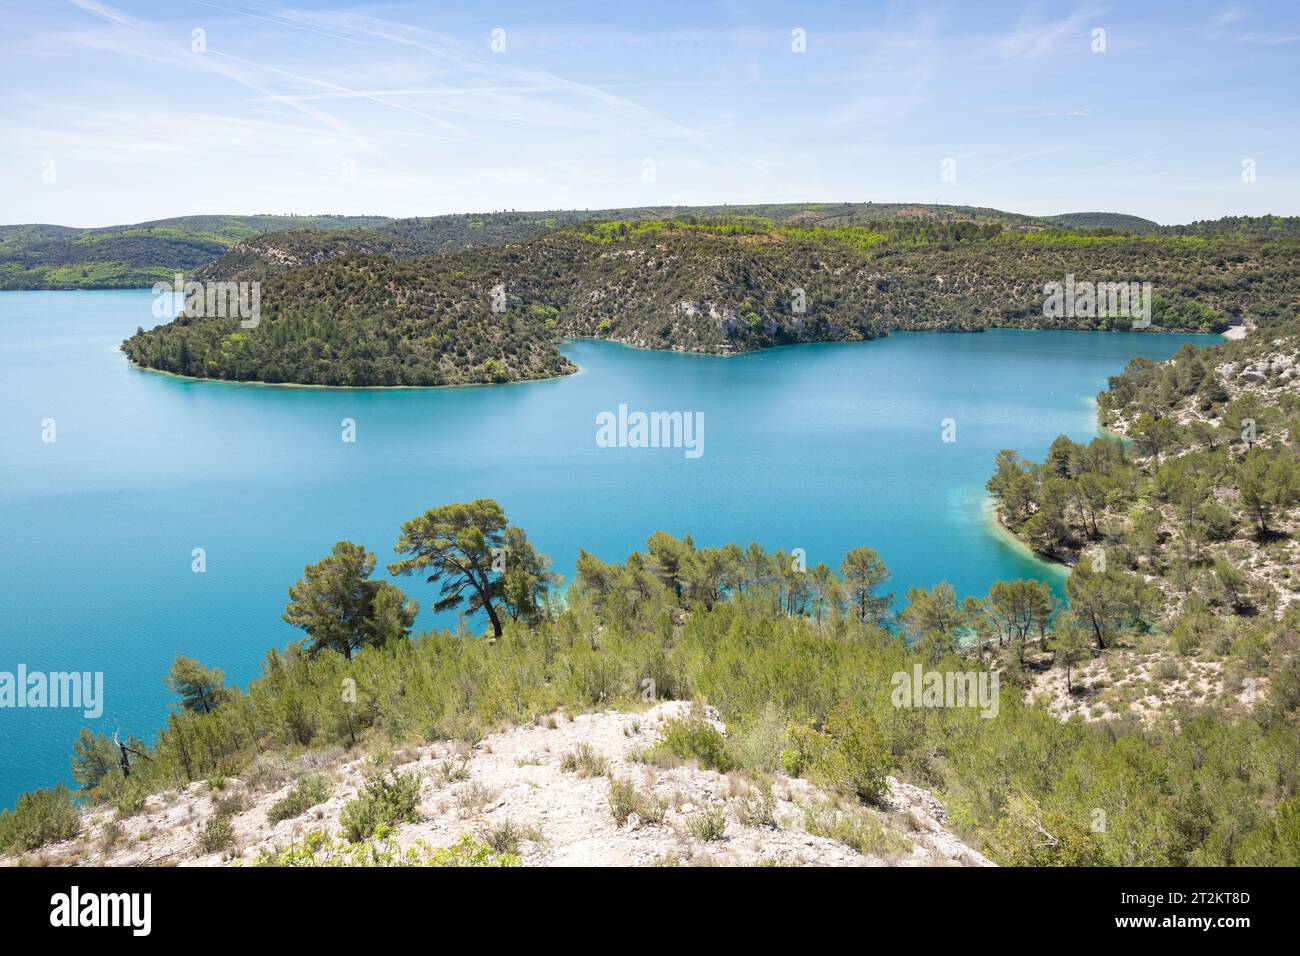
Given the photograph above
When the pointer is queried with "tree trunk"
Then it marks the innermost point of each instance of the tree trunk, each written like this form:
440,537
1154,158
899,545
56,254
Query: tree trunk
480,584
492,615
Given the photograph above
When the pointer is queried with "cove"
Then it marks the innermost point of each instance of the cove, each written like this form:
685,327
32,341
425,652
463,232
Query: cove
820,447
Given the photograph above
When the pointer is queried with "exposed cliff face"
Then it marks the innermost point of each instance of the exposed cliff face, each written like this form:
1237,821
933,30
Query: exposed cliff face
551,811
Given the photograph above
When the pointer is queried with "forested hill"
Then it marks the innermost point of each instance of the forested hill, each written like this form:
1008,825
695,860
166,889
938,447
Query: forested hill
361,321
348,309
1113,221
60,257
434,235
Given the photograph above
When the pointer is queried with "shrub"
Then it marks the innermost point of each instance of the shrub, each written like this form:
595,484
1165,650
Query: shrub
857,829
760,742
1028,835
130,801
793,760
692,738
470,852
310,791
1167,670
473,799
849,755
39,817
708,825
506,837
111,835
217,835
231,803
453,770
386,801
754,808
584,761
1275,841
625,799
1218,522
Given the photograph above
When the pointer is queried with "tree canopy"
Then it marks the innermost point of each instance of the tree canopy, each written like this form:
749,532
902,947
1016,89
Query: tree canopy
480,561
342,609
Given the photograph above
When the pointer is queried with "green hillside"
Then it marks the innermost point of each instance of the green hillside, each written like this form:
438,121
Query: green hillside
59,257
331,315
1117,222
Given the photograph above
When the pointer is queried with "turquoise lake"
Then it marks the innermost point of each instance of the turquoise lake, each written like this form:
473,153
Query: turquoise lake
820,447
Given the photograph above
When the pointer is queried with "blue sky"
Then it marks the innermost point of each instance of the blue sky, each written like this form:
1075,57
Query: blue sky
111,115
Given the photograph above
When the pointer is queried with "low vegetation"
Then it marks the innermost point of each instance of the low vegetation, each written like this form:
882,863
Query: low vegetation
317,849
310,791
855,827
625,799
691,739
584,761
40,817
386,802
217,834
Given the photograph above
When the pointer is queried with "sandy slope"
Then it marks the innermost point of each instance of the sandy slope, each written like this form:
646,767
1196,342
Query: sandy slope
516,776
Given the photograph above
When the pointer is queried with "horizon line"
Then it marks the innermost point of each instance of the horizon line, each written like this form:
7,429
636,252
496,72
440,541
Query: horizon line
575,209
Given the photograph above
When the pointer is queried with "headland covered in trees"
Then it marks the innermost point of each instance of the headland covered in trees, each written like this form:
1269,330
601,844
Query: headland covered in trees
463,300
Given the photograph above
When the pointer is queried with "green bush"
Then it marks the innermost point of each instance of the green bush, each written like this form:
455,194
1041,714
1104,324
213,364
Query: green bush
130,800
622,799
693,738
310,791
759,743
386,802
40,817
1276,840
849,755
1028,835
468,851
218,834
